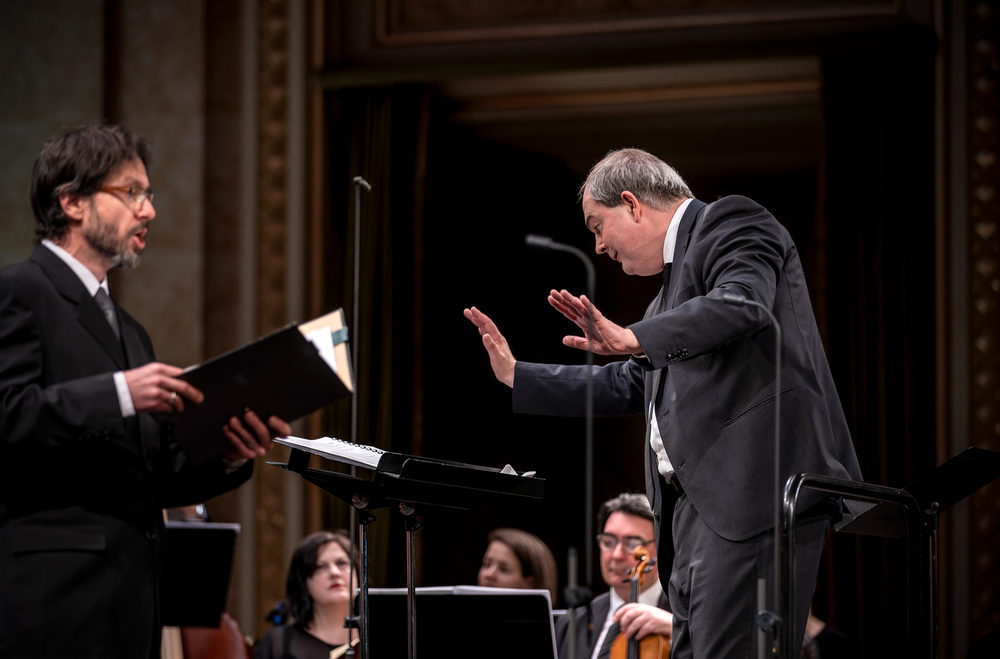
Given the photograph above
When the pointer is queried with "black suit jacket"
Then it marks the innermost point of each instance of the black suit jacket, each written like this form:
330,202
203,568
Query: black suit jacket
81,488
589,623
716,361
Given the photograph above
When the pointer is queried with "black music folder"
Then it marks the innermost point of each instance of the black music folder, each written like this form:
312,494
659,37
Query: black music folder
289,373
196,572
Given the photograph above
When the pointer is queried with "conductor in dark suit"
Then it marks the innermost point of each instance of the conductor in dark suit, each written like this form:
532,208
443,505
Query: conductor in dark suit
625,522
84,469
702,371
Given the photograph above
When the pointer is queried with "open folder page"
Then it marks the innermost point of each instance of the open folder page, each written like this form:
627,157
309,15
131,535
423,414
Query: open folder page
290,373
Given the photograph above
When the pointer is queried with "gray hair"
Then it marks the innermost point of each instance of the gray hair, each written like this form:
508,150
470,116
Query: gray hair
651,180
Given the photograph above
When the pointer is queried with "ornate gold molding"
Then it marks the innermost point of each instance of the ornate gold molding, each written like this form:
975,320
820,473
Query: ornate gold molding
984,313
469,22
272,166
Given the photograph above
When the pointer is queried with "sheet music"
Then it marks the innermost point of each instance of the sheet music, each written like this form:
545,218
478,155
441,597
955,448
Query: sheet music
322,338
339,450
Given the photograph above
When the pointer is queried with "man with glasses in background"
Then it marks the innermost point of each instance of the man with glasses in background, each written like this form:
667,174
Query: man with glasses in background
85,470
625,523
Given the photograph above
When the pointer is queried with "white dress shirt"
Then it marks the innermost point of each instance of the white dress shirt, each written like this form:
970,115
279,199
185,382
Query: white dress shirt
663,464
91,284
650,596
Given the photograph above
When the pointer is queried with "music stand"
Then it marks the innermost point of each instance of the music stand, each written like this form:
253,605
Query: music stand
196,572
911,512
409,481
491,623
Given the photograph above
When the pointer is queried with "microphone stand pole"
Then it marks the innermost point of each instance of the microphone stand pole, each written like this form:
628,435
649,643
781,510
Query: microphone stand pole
767,619
359,184
546,243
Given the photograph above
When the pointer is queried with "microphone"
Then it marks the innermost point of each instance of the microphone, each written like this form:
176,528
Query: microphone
539,242
769,619
545,243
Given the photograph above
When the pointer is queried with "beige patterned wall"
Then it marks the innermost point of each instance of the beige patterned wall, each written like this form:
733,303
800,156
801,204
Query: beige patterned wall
51,58
162,97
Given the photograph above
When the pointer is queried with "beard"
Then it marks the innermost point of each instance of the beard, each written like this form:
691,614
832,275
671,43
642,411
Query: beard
106,242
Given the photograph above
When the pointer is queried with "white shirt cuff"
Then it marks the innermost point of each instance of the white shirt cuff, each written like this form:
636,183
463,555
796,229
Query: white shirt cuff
233,465
124,395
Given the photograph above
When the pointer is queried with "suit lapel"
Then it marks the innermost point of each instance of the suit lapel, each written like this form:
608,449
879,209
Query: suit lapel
88,313
688,222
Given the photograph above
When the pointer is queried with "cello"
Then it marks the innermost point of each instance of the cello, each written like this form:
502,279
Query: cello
653,646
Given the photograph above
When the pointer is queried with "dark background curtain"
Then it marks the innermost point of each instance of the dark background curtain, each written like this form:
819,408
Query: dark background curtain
880,254
380,134
433,245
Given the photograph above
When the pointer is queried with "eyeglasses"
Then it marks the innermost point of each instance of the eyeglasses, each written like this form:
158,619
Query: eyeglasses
136,195
608,542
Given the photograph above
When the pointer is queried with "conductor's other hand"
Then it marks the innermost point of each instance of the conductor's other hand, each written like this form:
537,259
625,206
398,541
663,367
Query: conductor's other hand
501,358
250,437
155,388
608,338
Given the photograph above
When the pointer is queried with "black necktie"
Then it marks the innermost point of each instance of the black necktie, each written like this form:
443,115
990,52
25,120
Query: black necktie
666,286
613,631
103,300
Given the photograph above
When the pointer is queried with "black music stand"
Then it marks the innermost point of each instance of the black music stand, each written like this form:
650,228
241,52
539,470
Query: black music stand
490,623
196,572
911,512
409,481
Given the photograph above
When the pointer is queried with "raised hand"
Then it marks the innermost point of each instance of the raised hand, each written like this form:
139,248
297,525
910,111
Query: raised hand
501,358
608,338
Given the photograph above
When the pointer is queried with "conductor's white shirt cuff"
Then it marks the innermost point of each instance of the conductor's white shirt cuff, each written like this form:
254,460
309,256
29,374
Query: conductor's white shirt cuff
124,395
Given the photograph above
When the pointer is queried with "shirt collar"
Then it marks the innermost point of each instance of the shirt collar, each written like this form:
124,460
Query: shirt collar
675,224
650,596
83,272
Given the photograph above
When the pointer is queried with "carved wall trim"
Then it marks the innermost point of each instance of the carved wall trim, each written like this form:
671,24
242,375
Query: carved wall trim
391,32
272,167
984,313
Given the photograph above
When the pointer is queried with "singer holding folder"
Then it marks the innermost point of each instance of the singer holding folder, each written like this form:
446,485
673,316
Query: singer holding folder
84,469
703,372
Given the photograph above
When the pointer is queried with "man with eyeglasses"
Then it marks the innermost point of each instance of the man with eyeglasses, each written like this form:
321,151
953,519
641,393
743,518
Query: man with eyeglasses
84,468
625,523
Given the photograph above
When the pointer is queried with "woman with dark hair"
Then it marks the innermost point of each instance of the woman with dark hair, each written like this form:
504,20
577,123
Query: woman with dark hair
318,600
518,559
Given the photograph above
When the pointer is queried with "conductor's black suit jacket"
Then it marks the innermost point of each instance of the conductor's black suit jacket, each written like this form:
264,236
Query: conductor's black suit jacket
715,362
81,488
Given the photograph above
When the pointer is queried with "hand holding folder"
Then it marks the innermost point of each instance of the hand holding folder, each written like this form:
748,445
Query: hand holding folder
283,374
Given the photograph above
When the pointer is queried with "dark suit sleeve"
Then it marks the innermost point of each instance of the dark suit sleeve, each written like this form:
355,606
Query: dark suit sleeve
738,249
561,390
49,414
182,483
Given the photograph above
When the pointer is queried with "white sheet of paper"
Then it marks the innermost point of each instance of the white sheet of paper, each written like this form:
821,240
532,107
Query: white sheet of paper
322,338
336,449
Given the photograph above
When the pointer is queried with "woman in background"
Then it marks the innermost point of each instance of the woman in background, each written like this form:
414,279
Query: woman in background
518,559
319,593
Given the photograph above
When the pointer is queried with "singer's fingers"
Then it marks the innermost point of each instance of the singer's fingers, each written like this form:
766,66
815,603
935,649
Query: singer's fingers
578,342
